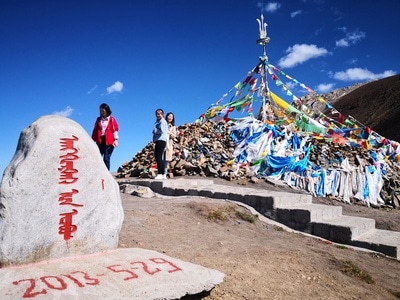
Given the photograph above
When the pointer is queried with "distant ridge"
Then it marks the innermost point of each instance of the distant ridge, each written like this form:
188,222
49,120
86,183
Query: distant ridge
375,104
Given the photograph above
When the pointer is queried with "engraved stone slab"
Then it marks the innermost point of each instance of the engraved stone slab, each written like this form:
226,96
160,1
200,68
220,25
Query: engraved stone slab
130,273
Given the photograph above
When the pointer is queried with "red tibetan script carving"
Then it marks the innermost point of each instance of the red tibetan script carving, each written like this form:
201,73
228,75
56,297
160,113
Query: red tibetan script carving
68,143
68,175
66,198
66,169
66,227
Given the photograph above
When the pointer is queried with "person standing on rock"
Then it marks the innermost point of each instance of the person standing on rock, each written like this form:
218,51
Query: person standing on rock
160,138
105,133
170,118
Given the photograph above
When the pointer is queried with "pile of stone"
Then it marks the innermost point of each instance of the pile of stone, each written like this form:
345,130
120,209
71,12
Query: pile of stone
206,149
203,149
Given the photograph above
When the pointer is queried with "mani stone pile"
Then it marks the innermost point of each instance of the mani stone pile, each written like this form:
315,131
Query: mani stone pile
206,149
199,149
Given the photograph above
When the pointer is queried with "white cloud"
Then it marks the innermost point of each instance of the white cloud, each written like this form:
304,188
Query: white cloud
116,87
325,87
352,61
269,7
342,43
291,85
355,36
295,13
338,15
318,31
92,89
358,74
66,112
351,38
298,54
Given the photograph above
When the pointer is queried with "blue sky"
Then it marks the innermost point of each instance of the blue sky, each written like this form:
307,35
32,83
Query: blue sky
68,57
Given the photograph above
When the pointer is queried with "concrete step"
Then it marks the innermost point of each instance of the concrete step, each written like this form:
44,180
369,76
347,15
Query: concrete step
384,241
259,199
308,213
342,229
282,199
184,183
302,216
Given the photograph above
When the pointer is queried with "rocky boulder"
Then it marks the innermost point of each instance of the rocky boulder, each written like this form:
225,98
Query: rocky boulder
57,198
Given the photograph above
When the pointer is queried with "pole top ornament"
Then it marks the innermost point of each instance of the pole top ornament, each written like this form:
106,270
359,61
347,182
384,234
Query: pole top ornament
262,26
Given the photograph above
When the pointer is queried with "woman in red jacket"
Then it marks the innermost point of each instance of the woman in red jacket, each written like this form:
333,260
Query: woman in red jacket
105,133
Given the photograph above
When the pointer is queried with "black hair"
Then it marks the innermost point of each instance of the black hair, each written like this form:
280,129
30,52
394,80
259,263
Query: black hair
106,107
173,118
160,109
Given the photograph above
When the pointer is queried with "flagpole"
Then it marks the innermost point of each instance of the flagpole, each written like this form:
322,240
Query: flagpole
263,40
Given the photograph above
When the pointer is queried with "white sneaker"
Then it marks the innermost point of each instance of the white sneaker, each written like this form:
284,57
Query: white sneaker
165,176
159,176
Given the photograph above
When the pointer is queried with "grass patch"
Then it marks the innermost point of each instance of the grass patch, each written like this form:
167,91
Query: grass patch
247,217
279,228
229,212
349,268
216,215
341,247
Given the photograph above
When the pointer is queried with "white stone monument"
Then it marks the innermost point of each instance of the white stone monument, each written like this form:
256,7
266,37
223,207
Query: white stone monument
57,198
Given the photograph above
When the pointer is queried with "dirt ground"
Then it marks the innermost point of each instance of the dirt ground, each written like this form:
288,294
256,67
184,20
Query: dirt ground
260,260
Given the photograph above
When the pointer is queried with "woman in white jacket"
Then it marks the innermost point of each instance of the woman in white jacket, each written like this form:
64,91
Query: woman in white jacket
170,118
